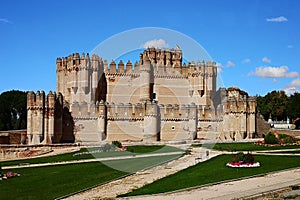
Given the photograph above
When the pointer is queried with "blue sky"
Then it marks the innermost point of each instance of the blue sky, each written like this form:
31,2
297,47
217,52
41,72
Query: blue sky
255,43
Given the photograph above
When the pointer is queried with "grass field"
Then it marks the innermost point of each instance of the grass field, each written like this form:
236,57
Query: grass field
56,181
69,156
215,170
248,147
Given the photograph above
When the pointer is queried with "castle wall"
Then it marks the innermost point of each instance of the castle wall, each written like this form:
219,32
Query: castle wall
125,130
88,129
46,117
159,98
123,89
175,130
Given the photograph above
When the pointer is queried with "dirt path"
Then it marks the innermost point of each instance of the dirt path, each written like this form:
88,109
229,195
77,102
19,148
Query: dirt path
137,180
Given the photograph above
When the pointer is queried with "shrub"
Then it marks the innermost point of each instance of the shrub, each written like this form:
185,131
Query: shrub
248,158
117,144
270,138
238,157
108,147
244,158
288,140
282,136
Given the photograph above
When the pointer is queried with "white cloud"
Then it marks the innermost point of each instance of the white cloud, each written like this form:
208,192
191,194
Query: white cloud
275,80
5,21
277,19
274,72
230,64
295,83
290,46
156,43
266,60
246,60
290,90
292,87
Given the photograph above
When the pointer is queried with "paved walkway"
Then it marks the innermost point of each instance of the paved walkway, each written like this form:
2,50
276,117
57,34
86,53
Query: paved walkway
233,189
137,180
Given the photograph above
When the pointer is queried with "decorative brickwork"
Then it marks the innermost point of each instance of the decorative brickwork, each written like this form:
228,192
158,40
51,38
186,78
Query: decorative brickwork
157,98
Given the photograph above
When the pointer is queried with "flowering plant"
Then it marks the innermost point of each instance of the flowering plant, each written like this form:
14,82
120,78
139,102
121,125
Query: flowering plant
243,160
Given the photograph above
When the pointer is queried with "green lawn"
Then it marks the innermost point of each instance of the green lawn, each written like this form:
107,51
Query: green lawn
152,149
56,181
69,156
249,147
287,152
215,170
56,158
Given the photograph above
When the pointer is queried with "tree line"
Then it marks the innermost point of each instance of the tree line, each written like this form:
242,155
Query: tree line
279,105
13,110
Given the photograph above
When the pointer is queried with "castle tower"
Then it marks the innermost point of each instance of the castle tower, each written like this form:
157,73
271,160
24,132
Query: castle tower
96,73
83,78
252,118
101,120
38,118
58,115
151,129
49,119
30,115
145,80
192,123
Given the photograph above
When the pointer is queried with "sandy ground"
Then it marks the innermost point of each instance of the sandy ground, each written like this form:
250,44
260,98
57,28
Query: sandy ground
137,180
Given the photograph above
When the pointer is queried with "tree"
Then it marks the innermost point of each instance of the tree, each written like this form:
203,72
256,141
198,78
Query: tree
270,138
293,107
13,112
274,103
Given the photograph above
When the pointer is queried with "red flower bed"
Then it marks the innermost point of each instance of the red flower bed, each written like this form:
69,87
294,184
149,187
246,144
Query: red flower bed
240,164
243,160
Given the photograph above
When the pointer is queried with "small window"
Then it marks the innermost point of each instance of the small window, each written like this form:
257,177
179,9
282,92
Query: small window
173,128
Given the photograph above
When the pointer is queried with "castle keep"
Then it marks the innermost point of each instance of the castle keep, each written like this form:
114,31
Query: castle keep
159,98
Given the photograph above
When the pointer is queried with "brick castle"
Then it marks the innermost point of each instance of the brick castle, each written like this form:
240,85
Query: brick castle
159,98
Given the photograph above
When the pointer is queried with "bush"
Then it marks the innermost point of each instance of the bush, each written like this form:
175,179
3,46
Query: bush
248,158
117,144
107,148
244,158
270,138
289,140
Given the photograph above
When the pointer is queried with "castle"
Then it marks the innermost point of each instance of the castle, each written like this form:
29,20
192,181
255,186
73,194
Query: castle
159,98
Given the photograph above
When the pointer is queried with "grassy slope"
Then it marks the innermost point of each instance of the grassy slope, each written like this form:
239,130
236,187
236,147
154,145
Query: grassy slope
215,170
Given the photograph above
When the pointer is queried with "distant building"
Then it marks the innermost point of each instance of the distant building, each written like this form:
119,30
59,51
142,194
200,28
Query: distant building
156,99
281,124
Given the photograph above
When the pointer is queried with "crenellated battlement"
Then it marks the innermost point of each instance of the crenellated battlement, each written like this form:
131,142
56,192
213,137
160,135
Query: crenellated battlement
40,101
156,98
238,101
165,62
